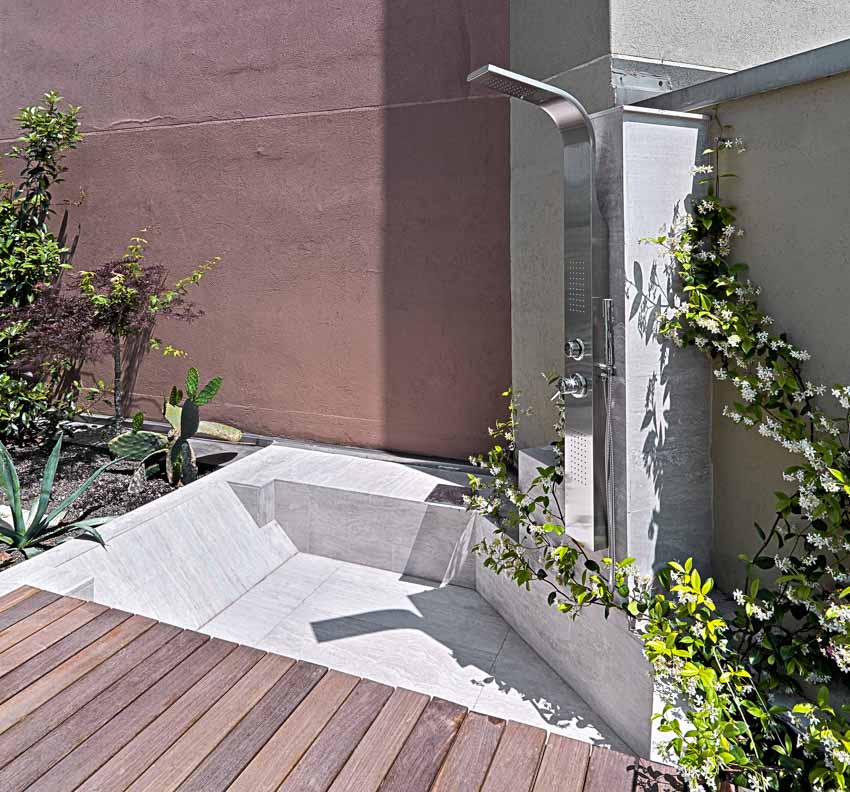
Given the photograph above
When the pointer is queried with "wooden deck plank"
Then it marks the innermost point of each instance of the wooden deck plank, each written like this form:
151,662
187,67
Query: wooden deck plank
52,721
23,608
50,672
607,770
189,750
14,596
287,745
652,777
227,760
610,770
324,759
423,753
53,712
564,765
373,757
132,760
517,758
55,631
28,766
97,700
36,621
78,765
469,759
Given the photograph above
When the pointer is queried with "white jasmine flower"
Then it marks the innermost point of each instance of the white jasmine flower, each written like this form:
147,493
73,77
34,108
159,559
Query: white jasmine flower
732,414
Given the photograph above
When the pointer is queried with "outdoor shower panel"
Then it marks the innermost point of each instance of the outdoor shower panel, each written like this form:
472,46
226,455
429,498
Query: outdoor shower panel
588,328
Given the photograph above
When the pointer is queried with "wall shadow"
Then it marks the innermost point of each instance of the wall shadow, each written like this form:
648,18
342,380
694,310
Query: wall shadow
445,264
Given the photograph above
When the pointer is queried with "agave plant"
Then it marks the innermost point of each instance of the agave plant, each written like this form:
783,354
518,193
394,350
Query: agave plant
173,449
29,529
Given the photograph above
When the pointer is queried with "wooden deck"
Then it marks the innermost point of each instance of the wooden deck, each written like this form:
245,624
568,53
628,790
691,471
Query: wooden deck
93,698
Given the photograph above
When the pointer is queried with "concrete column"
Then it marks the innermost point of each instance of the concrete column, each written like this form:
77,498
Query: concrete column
661,416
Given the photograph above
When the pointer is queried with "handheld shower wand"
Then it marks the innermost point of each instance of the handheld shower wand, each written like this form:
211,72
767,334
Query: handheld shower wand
606,374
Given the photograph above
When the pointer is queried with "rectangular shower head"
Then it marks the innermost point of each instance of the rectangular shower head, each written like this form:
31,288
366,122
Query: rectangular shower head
513,84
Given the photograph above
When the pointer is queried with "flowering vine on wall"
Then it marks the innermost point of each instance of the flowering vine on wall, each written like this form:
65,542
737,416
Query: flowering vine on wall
740,688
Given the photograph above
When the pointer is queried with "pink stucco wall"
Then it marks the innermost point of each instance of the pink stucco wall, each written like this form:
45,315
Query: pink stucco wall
329,152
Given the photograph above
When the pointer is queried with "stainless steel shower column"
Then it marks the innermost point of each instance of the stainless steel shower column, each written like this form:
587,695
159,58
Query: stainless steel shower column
588,360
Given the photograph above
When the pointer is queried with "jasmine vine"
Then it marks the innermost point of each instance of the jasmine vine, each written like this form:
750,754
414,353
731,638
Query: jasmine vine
740,687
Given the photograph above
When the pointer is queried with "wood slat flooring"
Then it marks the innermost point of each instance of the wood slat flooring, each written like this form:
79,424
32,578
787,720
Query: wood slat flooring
98,700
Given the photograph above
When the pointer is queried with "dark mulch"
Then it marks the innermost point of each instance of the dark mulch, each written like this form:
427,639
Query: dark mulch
108,496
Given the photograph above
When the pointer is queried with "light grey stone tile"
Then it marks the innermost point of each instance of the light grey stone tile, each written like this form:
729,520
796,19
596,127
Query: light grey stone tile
258,500
247,620
375,587
360,528
207,583
408,659
292,511
523,687
428,553
303,568
70,583
278,540
332,607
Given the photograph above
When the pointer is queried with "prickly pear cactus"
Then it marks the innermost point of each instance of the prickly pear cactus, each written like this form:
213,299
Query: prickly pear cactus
136,445
180,464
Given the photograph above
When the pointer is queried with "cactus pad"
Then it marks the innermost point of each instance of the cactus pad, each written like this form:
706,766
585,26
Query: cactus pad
136,445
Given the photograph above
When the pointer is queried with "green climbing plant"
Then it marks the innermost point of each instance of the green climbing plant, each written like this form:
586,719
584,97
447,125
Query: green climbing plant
746,691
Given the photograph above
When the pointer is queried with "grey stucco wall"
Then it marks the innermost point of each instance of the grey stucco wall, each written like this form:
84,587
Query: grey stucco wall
725,33
551,36
792,196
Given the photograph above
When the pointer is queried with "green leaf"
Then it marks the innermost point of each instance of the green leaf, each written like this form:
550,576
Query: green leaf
138,421
66,502
12,488
191,382
209,392
47,479
189,419
91,535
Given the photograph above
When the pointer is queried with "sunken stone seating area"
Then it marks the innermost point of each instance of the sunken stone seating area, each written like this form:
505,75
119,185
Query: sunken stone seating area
337,560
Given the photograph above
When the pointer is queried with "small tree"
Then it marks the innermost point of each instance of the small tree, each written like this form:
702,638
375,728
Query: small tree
107,307
30,256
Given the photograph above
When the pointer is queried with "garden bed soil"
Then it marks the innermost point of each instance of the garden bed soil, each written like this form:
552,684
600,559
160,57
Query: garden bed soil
110,495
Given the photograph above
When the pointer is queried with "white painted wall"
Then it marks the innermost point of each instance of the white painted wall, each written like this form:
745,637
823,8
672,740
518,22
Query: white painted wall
792,197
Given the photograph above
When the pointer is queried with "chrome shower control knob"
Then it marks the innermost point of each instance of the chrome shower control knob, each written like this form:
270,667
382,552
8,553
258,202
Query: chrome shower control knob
574,385
574,349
